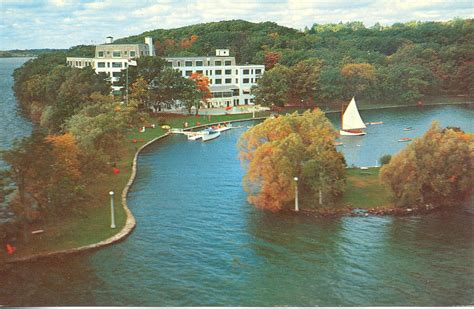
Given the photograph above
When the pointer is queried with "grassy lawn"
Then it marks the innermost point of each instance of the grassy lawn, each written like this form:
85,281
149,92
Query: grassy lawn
92,223
364,190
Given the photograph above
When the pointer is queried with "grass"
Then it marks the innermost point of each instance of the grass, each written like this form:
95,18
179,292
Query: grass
364,190
91,224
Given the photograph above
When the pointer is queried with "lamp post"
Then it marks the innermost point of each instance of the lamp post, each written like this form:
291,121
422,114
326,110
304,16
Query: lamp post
296,194
126,86
112,212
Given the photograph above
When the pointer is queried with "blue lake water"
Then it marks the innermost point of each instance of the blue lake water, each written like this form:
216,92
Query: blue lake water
198,242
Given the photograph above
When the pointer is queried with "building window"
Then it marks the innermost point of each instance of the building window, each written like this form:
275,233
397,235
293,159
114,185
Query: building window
199,63
218,81
178,63
189,73
101,64
132,53
228,72
228,80
236,80
100,54
245,91
116,54
218,72
246,81
210,72
199,71
116,64
125,53
108,64
116,74
258,71
246,71
228,62
169,63
218,62
188,63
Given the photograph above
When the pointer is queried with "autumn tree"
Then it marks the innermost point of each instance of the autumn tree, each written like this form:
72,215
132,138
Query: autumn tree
436,169
202,84
279,149
270,59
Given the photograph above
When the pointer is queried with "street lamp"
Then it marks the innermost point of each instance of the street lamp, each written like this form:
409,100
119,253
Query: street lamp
296,193
112,212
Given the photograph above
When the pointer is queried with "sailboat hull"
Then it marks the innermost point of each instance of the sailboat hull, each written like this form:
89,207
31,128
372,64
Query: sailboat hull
352,133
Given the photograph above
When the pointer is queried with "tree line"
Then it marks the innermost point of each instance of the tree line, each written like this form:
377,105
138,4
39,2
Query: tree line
400,63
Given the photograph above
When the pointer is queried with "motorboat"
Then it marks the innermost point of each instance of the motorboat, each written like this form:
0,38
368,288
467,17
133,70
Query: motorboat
210,134
405,139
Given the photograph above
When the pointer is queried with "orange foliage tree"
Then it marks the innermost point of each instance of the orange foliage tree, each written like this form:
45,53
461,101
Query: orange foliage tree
64,184
188,42
279,149
270,59
435,170
202,83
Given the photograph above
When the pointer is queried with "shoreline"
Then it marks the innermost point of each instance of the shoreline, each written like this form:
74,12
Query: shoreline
130,223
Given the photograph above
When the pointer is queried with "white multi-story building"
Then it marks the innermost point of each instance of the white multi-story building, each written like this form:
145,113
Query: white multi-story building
229,83
112,58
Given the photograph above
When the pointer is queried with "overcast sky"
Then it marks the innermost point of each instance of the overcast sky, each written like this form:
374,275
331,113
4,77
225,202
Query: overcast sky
26,24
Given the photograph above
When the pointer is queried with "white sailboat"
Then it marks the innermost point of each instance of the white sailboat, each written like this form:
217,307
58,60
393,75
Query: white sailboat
351,123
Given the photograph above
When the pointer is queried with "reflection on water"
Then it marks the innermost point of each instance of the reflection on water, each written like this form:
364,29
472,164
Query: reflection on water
198,242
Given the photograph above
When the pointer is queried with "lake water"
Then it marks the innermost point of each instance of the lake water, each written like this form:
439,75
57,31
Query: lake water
198,242
12,123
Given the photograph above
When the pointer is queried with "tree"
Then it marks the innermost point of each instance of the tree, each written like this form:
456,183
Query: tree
304,78
273,87
435,169
359,76
65,183
139,91
270,59
166,89
279,149
202,84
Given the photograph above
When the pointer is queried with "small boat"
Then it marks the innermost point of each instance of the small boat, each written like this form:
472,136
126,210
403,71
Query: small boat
374,123
249,127
351,122
210,134
405,139
337,143
192,136
222,128
408,129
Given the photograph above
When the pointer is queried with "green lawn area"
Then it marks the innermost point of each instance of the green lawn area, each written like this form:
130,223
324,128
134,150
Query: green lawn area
92,223
364,190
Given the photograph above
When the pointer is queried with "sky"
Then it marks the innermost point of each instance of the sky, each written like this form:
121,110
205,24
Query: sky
29,24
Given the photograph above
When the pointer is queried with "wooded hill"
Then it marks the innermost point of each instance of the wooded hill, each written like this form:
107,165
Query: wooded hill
402,63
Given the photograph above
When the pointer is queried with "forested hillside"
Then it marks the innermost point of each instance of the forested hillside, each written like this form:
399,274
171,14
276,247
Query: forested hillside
401,63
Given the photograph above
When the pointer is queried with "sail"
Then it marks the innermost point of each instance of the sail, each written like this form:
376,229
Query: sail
351,119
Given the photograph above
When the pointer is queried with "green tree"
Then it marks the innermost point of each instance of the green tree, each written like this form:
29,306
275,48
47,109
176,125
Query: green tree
273,87
435,169
279,149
